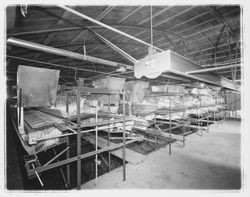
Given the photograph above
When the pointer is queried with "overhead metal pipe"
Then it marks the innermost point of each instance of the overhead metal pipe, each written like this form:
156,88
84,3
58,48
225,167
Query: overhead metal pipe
106,26
67,67
213,69
56,51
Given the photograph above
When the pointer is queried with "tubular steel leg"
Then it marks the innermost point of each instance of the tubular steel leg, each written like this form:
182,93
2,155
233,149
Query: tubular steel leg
96,145
20,106
37,175
63,176
208,122
67,104
123,148
170,127
183,135
184,130
155,129
109,155
214,117
79,176
96,156
68,166
200,124
67,144
197,121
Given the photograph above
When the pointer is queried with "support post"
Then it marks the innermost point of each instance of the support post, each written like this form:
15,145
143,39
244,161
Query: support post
123,147
67,103
109,155
67,144
170,127
200,116
68,165
20,107
207,121
155,135
184,129
96,144
78,138
20,113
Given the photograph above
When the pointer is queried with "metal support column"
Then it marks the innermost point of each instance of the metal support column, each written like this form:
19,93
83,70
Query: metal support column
67,144
184,129
68,166
78,138
155,135
200,117
170,127
19,107
67,104
96,143
123,138
216,104
207,121
109,154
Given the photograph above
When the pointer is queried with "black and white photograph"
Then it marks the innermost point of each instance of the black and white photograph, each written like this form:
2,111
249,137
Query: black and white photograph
124,96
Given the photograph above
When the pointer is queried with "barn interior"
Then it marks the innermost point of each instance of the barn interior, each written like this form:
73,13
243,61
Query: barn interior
118,96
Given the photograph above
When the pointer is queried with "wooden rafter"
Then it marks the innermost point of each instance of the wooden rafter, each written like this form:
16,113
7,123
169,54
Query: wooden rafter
104,13
172,17
224,20
154,15
130,14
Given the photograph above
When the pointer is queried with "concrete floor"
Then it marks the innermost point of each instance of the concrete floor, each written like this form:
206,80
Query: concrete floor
211,161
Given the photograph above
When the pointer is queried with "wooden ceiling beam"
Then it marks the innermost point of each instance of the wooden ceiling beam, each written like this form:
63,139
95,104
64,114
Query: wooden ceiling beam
106,26
217,60
190,19
130,14
154,15
92,50
104,13
207,21
172,17
210,48
220,35
114,47
201,31
224,20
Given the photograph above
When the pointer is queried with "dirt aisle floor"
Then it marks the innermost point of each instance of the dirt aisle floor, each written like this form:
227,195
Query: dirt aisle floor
211,161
